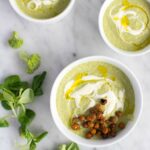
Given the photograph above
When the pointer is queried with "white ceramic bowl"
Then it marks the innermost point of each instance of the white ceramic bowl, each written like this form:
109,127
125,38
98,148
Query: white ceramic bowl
116,49
49,20
97,143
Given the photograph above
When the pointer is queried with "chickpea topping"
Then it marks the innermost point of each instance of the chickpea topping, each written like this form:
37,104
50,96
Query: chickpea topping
75,120
99,115
103,101
98,107
113,119
119,113
96,125
81,118
91,117
121,125
75,126
105,130
88,135
93,131
85,125
90,124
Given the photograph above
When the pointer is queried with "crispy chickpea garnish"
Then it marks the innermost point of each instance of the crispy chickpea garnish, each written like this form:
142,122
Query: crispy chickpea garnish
113,119
85,124
93,131
75,126
90,124
96,125
81,118
99,116
88,135
119,113
105,130
121,125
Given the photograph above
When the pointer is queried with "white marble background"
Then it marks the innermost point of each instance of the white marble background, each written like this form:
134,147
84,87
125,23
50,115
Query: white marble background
59,44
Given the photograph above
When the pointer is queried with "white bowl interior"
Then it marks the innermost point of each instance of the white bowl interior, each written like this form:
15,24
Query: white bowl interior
49,20
118,50
97,143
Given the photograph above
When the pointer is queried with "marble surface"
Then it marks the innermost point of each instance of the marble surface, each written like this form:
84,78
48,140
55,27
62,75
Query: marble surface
59,44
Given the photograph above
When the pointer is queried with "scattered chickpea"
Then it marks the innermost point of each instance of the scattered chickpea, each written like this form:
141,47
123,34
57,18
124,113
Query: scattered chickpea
85,125
75,126
96,125
88,135
119,113
113,119
75,120
121,125
93,131
100,115
105,130
82,118
90,124
91,117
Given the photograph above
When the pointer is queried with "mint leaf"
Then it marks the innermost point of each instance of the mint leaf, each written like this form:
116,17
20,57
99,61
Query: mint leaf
37,83
5,105
26,97
3,123
40,137
25,118
73,146
8,95
32,146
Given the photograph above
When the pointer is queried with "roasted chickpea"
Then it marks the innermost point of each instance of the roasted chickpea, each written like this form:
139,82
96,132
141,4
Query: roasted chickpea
105,130
91,117
90,124
75,120
99,116
81,118
93,131
88,135
121,125
113,119
85,125
96,125
119,113
75,126
98,107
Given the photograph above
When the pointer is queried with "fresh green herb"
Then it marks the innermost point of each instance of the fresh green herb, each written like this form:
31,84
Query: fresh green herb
32,61
71,146
15,41
3,123
37,84
14,95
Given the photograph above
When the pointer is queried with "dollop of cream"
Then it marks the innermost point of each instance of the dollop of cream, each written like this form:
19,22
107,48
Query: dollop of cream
123,16
89,90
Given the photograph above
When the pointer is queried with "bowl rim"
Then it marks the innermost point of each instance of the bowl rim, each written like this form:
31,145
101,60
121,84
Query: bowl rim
57,18
106,40
82,141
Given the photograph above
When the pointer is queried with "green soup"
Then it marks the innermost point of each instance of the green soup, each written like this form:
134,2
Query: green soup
126,24
42,9
75,92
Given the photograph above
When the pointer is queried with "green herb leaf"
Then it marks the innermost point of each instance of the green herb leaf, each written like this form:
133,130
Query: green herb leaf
3,123
62,147
25,118
11,80
73,146
40,137
26,97
5,105
8,95
32,145
37,83
32,61
15,41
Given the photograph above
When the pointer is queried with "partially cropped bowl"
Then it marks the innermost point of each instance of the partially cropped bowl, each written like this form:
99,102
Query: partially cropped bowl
97,143
54,19
129,52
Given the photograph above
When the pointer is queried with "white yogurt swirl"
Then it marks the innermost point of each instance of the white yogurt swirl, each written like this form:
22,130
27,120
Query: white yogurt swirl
90,90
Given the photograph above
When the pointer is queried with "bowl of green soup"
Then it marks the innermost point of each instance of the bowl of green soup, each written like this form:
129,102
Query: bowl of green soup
45,11
125,26
96,101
